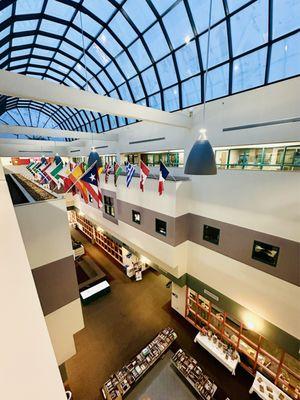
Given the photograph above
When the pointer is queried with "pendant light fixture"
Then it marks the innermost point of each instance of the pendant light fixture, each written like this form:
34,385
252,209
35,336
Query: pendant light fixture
201,160
93,156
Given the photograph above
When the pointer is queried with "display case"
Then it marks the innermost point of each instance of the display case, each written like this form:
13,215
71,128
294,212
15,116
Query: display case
256,352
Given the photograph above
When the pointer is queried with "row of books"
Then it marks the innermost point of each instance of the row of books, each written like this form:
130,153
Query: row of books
189,368
122,381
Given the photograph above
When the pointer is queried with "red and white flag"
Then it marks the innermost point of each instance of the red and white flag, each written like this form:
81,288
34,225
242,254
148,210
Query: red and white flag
144,172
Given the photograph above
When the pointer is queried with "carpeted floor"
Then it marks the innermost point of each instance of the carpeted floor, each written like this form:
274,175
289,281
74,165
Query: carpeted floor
120,324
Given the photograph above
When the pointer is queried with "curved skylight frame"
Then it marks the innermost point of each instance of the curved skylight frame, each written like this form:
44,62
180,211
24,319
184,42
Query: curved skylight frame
173,76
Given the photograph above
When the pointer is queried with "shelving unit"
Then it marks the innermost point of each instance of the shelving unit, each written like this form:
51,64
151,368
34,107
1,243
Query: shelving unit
256,352
85,226
122,381
113,248
110,246
191,371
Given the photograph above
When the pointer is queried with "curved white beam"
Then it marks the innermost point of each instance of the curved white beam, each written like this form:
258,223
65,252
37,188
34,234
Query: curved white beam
56,133
25,87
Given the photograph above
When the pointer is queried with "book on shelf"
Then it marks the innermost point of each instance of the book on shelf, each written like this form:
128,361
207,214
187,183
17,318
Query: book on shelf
123,380
192,372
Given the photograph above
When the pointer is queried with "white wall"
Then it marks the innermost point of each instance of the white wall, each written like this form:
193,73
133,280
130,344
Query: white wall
271,298
45,230
266,201
28,368
62,324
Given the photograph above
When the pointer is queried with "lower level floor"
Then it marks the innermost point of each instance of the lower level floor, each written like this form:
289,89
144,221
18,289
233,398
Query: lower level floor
120,324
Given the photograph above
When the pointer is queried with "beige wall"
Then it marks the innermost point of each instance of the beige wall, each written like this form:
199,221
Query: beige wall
62,325
45,231
28,368
271,298
46,235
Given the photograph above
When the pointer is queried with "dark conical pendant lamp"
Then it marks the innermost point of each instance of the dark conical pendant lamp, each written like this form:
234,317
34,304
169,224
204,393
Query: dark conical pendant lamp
201,160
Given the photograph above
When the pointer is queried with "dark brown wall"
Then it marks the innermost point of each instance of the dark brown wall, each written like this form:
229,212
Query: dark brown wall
237,242
56,284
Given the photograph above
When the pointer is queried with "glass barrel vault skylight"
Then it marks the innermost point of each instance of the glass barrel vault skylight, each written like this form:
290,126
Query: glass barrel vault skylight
148,52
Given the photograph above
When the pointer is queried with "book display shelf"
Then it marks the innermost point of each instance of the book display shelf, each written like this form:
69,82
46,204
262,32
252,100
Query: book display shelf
188,367
120,383
110,246
255,351
85,226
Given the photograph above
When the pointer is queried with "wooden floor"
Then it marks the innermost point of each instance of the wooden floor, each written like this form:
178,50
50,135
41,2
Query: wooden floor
120,324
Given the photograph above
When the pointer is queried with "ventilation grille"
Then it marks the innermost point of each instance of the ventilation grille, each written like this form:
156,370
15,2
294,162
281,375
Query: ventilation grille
147,140
259,124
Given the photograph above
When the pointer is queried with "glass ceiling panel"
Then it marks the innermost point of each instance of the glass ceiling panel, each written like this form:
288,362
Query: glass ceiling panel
28,6
146,51
141,19
178,25
250,27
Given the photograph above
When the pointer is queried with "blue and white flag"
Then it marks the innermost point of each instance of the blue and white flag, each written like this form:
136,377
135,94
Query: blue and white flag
129,173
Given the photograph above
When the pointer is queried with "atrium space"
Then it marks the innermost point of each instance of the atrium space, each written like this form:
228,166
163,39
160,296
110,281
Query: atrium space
150,199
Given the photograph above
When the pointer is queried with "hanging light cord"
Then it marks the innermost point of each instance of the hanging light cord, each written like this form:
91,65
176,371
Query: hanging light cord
83,49
85,68
206,69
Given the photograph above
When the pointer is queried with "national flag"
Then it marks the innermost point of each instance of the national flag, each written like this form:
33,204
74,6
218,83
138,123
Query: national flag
64,175
90,181
100,170
163,173
44,171
52,171
35,168
74,176
144,173
30,165
107,172
117,172
55,174
43,178
129,173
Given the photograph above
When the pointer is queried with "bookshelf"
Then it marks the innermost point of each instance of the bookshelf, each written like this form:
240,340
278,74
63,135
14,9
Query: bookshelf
255,351
113,248
189,368
85,226
110,246
120,383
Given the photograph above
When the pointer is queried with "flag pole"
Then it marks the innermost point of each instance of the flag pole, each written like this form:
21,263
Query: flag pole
81,176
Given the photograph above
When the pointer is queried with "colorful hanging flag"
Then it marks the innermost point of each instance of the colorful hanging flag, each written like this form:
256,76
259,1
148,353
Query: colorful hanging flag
144,173
129,173
90,181
100,170
107,172
75,178
44,172
55,174
64,175
163,173
117,172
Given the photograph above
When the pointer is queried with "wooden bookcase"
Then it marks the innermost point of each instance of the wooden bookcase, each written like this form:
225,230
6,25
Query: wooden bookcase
106,243
110,246
85,226
257,353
